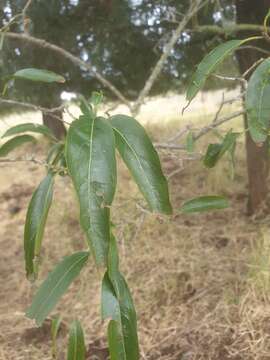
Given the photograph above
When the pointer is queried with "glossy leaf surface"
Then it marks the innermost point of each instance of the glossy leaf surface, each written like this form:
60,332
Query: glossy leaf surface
76,345
90,156
38,75
29,127
216,151
56,285
209,64
35,223
141,158
117,305
15,142
257,102
205,203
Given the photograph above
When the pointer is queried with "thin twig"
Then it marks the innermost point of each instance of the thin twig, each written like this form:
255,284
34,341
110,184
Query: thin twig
231,78
25,19
219,109
252,47
69,113
223,120
167,52
232,29
252,67
36,108
16,160
32,159
202,132
74,59
180,133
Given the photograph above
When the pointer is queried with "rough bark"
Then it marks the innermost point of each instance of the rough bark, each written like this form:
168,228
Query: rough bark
55,125
257,157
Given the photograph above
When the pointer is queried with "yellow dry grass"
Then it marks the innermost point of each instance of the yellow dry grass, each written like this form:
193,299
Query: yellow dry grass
200,282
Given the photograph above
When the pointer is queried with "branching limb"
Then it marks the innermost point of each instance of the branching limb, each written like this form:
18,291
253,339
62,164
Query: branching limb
36,108
232,78
230,30
25,159
67,55
25,19
214,124
193,9
253,66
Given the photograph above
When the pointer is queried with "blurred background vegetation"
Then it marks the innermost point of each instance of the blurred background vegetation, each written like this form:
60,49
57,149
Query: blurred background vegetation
123,40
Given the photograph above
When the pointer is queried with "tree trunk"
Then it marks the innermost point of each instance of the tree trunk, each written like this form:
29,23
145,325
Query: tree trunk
257,156
55,125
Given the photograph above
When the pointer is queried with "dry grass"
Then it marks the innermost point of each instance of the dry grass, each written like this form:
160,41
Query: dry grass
200,282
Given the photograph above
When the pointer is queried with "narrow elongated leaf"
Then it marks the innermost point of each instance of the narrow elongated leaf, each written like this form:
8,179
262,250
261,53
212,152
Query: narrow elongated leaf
12,144
55,327
122,330
39,75
205,203
116,341
90,156
54,153
142,160
56,285
257,102
35,223
76,345
29,127
216,151
209,64
117,305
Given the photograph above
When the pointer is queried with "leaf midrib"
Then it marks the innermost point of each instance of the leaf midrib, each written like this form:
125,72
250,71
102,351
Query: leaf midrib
260,102
59,281
75,343
89,175
137,158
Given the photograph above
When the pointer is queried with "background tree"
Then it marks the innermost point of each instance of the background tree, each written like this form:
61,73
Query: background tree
124,42
251,12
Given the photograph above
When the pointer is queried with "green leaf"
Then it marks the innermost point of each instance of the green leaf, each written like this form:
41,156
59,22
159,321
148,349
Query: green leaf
205,203
76,345
96,98
209,64
38,75
86,107
216,151
55,327
190,143
90,156
55,153
29,127
211,157
122,330
35,223
257,102
116,341
12,144
143,162
56,285
117,305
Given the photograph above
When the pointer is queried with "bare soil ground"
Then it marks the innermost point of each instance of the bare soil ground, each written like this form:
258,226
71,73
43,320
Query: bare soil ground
200,283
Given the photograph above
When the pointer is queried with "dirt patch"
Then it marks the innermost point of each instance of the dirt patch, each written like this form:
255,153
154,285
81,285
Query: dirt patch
200,283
